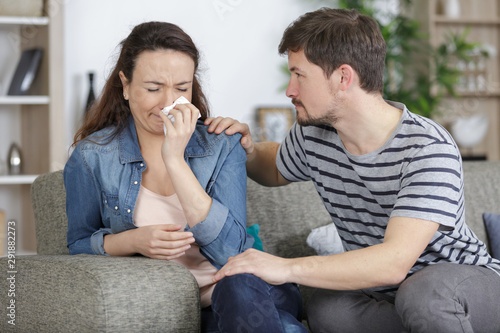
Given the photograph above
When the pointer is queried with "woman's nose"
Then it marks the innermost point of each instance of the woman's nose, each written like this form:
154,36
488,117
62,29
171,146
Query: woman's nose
167,99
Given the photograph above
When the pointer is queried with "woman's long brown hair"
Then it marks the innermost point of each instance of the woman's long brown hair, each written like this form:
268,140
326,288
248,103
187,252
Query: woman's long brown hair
111,109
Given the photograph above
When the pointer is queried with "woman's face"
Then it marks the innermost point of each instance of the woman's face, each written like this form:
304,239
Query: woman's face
159,78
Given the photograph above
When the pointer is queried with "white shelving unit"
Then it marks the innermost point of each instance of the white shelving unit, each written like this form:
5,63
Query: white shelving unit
24,100
21,20
35,121
17,180
482,19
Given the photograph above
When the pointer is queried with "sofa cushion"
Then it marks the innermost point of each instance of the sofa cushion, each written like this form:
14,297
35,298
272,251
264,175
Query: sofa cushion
492,223
286,215
482,193
48,197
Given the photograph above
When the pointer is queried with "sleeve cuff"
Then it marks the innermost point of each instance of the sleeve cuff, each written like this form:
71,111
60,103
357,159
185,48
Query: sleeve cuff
97,241
207,231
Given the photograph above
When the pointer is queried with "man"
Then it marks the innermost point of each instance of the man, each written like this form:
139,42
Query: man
392,182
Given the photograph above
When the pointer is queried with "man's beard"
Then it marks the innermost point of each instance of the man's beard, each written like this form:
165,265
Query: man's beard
306,120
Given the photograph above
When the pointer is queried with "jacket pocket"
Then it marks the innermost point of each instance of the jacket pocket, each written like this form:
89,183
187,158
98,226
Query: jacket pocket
111,203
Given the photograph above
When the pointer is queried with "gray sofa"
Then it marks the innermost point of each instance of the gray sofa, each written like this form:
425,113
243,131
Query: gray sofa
55,292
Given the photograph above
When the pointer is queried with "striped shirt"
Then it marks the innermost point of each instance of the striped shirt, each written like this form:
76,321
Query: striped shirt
417,173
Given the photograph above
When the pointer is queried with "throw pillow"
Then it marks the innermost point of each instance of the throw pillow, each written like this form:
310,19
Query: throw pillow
253,230
325,240
492,223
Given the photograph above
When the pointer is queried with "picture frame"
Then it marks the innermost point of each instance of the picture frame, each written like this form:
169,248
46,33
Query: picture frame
274,123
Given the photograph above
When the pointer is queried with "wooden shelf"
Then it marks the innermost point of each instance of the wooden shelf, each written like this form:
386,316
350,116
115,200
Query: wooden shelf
17,180
491,93
483,24
24,100
21,20
440,19
21,252
39,125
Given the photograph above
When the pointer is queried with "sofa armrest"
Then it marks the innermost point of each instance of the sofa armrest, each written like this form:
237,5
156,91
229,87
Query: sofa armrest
86,293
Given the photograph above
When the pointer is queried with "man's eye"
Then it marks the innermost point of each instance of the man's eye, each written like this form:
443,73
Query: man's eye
153,90
182,90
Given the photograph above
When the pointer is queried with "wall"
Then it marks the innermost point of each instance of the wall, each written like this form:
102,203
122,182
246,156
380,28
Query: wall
238,40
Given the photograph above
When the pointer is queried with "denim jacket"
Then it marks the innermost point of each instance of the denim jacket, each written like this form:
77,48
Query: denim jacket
102,183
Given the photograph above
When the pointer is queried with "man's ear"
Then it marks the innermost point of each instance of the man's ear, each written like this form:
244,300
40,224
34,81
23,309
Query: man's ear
346,76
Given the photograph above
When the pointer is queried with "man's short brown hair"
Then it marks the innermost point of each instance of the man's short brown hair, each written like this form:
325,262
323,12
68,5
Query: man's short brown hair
333,37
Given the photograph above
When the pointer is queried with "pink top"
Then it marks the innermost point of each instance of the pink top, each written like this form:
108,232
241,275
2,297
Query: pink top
152,208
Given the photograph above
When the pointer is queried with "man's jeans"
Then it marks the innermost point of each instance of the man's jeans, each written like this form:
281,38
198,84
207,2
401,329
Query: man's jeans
245,303
439,298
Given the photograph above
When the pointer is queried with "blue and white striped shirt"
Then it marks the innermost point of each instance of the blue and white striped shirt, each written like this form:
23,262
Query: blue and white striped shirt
417,173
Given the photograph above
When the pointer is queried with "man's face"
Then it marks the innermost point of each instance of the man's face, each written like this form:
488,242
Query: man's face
312,93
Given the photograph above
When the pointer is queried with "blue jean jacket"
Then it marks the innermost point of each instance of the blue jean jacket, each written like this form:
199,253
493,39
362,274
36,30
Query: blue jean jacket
102,181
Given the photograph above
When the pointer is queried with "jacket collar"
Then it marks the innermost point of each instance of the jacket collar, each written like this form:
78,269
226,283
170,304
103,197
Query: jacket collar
129,144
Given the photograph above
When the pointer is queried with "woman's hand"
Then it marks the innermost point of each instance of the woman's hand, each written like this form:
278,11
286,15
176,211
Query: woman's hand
231,126
179,133
194,200
161,241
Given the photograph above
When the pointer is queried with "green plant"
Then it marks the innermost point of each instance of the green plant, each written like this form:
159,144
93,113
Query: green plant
416,73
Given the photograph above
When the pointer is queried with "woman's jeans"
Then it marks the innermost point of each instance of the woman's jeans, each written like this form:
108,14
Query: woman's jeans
245,303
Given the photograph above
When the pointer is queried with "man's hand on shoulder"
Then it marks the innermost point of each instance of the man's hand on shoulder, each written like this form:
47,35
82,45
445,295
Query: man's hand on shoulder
261,156
231,126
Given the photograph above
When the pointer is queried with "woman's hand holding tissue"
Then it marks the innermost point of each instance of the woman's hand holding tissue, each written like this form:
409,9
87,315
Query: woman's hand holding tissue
178,132
194,200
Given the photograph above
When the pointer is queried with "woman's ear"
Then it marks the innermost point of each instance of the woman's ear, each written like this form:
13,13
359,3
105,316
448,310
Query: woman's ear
125,83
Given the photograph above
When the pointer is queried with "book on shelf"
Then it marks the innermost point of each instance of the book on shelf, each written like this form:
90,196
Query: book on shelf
26,71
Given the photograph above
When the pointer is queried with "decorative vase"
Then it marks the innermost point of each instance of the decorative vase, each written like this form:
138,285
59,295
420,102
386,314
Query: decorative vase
469,131
452,8
14,162
91,95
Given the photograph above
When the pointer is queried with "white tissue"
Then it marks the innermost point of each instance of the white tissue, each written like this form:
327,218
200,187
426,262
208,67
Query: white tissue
166,110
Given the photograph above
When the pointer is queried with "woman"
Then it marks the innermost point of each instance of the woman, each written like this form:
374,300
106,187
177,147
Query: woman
178,195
